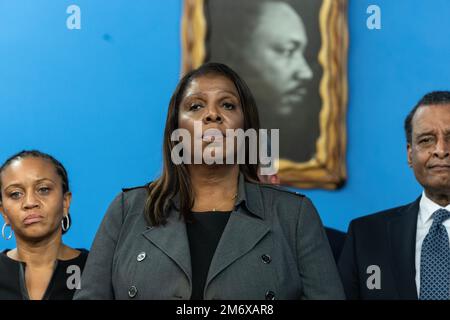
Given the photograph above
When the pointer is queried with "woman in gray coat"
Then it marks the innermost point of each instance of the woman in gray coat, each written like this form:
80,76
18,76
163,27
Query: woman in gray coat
208,230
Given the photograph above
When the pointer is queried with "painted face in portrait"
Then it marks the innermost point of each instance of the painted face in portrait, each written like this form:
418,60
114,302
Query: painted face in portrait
275,52
429,150
33,202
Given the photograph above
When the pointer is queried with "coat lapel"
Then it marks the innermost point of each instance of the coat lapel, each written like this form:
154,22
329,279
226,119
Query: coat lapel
402,229
241,234
173,241
245,228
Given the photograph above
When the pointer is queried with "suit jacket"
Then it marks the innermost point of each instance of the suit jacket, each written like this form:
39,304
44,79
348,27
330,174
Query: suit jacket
386,240
273,247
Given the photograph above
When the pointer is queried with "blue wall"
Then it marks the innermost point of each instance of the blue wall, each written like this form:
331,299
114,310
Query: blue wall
96,98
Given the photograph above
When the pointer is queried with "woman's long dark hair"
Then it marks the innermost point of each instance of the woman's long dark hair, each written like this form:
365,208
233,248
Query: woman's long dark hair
175,178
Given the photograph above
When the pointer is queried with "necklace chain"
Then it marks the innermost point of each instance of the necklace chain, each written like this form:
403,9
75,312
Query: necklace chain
234,197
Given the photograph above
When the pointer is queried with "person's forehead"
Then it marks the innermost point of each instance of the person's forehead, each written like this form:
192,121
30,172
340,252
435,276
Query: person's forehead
210,82
29,168
279,18
428,117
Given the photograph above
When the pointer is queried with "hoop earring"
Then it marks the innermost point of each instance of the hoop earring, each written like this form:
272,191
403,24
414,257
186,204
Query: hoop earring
3,232
65,226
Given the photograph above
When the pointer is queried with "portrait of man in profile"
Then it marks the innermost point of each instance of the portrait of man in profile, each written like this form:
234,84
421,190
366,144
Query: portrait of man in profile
268,43
293,56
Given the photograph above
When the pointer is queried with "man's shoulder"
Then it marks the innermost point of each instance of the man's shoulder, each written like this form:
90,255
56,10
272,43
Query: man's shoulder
382,216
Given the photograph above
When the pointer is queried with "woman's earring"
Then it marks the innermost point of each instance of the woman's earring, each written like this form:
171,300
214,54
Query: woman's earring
3,232
65,223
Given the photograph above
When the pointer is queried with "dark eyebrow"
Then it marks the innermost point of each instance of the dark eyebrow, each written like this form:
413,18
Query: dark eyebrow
195,95
423,135
37,181
426,133
201,96
44,179
13,185
231,93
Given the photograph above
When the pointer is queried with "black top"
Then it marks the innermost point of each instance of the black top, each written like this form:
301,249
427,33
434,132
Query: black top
62,283
204,233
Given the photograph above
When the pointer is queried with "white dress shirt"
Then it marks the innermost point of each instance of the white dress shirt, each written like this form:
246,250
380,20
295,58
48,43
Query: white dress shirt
424,221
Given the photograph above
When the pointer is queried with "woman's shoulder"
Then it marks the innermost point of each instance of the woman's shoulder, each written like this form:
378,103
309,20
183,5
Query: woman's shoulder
288,205
276,193
136,190
77,256
83,254
82,257
276,201
68,253
5,259
128,199
138,193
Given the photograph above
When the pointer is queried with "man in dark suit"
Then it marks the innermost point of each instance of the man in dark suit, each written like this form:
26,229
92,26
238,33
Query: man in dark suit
404,253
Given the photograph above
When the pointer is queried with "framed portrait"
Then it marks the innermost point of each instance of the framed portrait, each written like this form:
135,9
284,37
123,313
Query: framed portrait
293,56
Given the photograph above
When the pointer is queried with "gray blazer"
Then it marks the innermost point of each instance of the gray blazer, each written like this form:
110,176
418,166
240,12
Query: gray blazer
273,247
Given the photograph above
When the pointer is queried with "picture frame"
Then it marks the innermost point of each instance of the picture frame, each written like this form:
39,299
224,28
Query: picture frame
323,120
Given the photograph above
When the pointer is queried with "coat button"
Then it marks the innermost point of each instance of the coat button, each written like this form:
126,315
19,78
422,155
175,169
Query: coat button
141,256
270,295
132,292
266,258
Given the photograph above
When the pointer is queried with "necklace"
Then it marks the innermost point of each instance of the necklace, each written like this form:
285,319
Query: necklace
234,197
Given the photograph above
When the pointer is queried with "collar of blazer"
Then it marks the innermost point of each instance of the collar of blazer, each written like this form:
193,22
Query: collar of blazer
245,228
249,195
